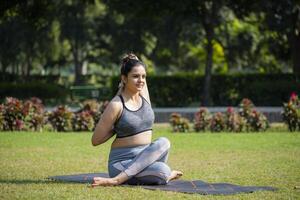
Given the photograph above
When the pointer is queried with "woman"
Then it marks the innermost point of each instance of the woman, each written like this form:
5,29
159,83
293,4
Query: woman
133,158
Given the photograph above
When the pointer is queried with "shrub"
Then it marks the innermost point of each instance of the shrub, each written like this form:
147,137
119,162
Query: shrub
180,89
94,108
45,91
258,121
13,114
30,115
61,118
16,115
234,122
12,78
202,120
2,120
291,113
254,120
103,105
231,121
178,123
83,121
217,122
246,107
34,111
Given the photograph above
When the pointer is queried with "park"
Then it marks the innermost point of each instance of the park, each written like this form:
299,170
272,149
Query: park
213,85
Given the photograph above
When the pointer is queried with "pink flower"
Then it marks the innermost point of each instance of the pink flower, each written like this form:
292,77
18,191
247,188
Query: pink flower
293,96
19,124
230,110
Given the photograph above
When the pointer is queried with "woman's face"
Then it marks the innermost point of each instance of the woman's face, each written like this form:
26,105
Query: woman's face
135,79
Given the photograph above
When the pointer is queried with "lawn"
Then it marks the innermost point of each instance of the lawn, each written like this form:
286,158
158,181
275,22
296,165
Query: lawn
259,159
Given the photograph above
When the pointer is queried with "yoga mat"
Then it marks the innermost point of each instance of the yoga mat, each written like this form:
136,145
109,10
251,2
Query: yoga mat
185,186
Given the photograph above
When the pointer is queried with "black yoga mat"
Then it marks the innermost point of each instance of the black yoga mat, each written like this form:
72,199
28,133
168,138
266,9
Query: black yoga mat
195,186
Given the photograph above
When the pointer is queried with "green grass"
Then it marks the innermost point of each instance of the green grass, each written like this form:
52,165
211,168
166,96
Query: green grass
261,159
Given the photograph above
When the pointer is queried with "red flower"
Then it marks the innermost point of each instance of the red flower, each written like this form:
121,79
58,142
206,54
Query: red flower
19,124
230,110
293,96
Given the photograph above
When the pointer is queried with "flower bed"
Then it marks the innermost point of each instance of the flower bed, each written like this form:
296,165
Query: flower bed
291,113
247,119
30,115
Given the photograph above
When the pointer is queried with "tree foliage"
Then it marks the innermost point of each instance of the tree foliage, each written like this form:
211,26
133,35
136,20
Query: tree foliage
203,37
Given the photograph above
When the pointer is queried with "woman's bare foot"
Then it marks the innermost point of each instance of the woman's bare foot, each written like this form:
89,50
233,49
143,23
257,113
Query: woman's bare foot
100,181
175,175
119,179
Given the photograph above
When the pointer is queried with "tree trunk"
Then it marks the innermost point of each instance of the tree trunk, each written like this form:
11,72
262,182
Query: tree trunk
3,67
29,66
78,69
208,66
23,70
295,53
14,69
78,75
77,63
294,39
209,22
17,67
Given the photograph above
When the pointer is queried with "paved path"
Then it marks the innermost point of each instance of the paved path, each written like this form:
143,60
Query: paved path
162,115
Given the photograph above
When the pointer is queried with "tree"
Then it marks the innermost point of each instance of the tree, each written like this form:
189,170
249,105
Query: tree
76,27
282,17
23,30
209,12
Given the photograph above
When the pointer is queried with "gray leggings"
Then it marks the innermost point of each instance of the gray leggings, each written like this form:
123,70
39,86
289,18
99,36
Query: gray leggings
145,164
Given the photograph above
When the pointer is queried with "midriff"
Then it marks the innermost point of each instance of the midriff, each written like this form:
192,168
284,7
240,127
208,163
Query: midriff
135,140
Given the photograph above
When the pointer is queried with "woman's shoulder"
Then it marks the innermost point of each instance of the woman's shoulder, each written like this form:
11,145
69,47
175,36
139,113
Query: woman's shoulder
115,103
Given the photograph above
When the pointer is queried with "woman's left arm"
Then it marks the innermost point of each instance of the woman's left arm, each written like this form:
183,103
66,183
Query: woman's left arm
104,128
145,92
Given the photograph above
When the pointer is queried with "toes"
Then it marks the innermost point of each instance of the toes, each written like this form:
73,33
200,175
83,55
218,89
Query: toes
97,178
179,173
103,182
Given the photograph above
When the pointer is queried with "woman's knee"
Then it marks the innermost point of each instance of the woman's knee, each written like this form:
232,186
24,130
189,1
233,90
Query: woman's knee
163,168
164,142
159,169
157,173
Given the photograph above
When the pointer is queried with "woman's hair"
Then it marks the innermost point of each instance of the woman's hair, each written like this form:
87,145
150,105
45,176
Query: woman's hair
128,62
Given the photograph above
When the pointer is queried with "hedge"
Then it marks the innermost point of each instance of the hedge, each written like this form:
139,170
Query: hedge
11,78
44,91
181,90
226,90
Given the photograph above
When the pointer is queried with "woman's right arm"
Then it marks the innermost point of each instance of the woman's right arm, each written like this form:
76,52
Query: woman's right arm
103,130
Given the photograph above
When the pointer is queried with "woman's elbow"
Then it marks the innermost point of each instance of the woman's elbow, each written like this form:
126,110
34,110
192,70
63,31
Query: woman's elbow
95,141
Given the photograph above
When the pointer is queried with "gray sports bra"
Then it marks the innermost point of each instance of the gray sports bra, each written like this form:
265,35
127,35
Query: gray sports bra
133,122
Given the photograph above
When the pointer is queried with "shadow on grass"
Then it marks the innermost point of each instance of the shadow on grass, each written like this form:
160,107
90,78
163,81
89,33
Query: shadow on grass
29,181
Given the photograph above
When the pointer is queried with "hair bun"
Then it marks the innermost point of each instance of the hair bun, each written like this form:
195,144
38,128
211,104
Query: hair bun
127,57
